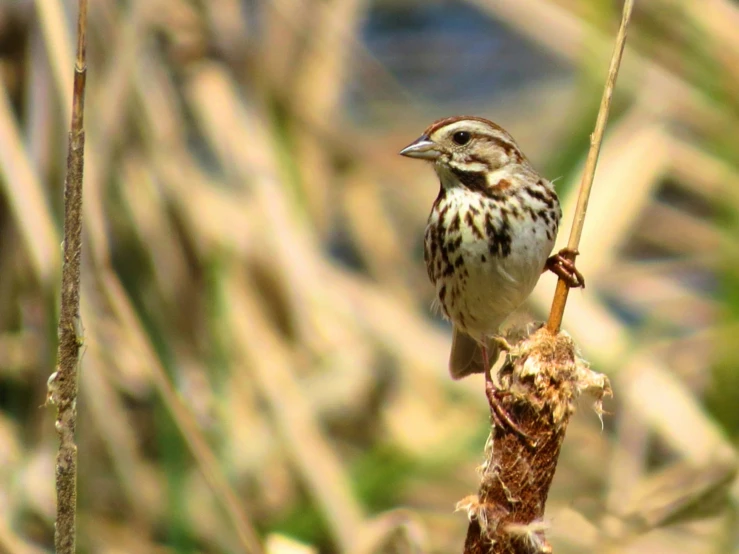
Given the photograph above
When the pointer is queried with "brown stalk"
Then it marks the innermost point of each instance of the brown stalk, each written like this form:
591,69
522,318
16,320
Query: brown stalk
63,383
596,139
533,400
542,378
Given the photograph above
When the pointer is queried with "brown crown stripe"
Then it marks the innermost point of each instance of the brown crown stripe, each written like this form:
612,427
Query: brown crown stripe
436,125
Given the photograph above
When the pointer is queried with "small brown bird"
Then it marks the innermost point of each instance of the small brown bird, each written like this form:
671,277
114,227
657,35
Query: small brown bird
489,235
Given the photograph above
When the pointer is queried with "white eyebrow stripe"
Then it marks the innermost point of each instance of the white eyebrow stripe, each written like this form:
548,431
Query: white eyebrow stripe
474,127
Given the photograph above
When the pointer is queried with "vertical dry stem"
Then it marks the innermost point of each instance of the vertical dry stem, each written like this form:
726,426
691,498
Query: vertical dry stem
63,383
596,139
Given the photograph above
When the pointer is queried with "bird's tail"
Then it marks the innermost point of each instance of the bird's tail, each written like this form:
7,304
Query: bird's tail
466,356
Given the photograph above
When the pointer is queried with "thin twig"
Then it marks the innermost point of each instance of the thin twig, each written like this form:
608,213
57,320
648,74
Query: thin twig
63,383
560,295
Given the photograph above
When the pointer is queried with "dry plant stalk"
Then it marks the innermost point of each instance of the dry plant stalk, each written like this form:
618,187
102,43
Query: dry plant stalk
62,389
596,139
540,381
543,376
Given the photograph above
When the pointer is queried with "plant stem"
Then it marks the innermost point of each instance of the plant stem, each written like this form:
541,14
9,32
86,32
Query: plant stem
63,383
596,139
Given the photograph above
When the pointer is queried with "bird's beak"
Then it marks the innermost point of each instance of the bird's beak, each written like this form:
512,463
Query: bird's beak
423,148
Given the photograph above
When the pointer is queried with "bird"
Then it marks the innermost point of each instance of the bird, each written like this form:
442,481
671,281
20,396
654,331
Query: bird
489,235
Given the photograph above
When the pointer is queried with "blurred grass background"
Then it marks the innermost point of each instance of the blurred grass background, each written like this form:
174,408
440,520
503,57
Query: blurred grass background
261,370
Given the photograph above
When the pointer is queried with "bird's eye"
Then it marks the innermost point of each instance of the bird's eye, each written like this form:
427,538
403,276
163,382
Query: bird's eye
461,137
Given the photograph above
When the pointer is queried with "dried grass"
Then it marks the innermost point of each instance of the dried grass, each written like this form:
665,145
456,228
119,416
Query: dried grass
259,352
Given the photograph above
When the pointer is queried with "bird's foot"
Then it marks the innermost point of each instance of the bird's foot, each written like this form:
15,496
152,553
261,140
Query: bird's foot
500,415
502,343
562,264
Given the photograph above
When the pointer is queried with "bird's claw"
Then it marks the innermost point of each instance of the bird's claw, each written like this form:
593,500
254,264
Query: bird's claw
501,416
562,264
502,343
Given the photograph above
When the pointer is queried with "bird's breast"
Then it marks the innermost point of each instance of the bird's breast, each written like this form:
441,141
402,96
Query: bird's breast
484,256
